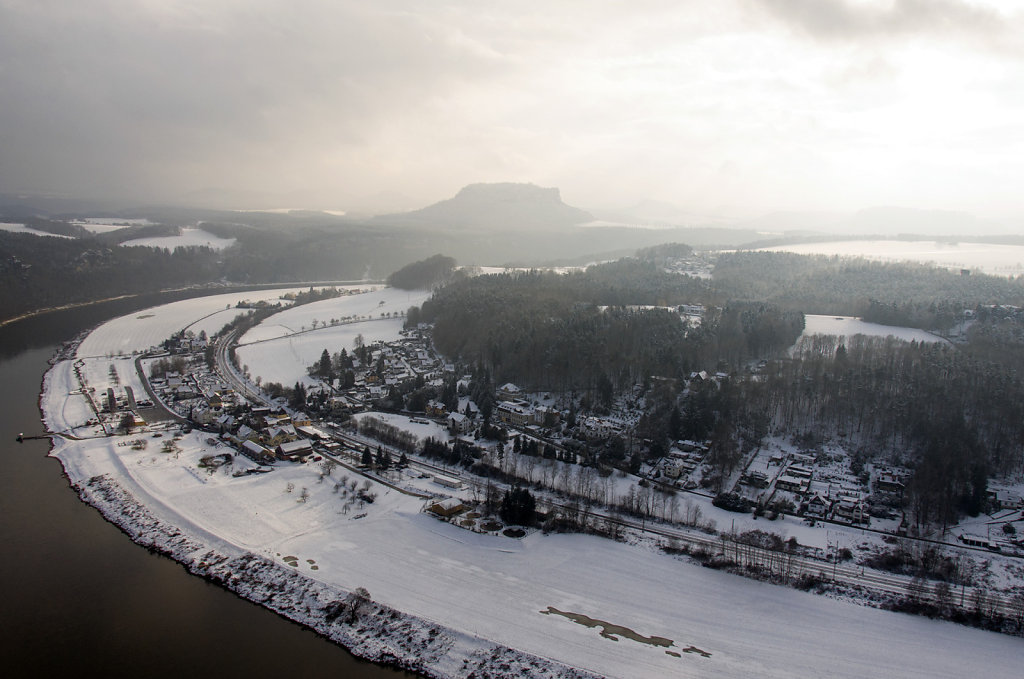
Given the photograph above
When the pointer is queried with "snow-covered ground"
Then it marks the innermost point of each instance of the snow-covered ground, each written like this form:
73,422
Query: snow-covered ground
485,589
994,259
283,346
65,408
848,326
107,224
150,327
116,373
422,429
373,302
498,588
187,238
487,270
286,359
21,228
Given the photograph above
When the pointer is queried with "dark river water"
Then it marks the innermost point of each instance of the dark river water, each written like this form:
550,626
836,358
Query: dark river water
79,599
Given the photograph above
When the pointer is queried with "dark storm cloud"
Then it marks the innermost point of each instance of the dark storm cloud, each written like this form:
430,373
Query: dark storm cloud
117,94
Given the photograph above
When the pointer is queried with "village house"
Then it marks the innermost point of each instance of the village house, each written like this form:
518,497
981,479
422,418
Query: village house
673,469
817,507
282,434
256,452
435,408
1004,499
509,392
792,484
518,413
599,427
848,511
889,483
294,450
757,479
447,507
459,423
448,481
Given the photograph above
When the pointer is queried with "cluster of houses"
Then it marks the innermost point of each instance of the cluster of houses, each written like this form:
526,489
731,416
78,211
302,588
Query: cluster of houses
198,396
389,364
265,436
845,506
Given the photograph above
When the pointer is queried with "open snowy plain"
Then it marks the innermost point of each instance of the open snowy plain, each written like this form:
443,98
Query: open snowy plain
547,595
845,327
194,237
282,347
991,258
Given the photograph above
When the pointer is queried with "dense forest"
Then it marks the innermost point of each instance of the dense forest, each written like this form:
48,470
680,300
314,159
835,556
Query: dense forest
38,272
617,322
424,274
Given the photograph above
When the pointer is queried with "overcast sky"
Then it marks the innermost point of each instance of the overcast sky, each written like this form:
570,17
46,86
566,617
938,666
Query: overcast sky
731,107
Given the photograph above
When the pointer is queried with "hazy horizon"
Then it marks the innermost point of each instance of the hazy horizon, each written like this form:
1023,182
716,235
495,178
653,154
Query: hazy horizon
738,109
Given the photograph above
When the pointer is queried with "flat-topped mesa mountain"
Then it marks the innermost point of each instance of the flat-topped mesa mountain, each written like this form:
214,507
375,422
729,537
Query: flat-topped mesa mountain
491,207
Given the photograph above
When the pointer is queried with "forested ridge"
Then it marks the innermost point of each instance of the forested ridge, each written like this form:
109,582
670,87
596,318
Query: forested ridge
906,294
39,272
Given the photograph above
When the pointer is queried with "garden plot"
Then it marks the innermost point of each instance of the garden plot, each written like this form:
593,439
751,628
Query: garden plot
66,409
143,329
373,303
116,374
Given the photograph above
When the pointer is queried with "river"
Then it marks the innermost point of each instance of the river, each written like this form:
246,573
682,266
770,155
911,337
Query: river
80,598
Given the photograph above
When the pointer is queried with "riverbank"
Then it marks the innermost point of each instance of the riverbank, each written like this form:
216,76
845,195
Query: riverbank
369,630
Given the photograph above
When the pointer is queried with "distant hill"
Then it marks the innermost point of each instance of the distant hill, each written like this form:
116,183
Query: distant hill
492,207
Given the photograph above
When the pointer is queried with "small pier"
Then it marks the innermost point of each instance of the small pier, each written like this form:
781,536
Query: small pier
21,437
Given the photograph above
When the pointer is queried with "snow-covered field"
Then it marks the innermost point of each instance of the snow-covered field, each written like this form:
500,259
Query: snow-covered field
65,408
283,346
374,302
421,429
998,260
488,270
187,238
21,228
287,358
150,327
107,224
848,326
